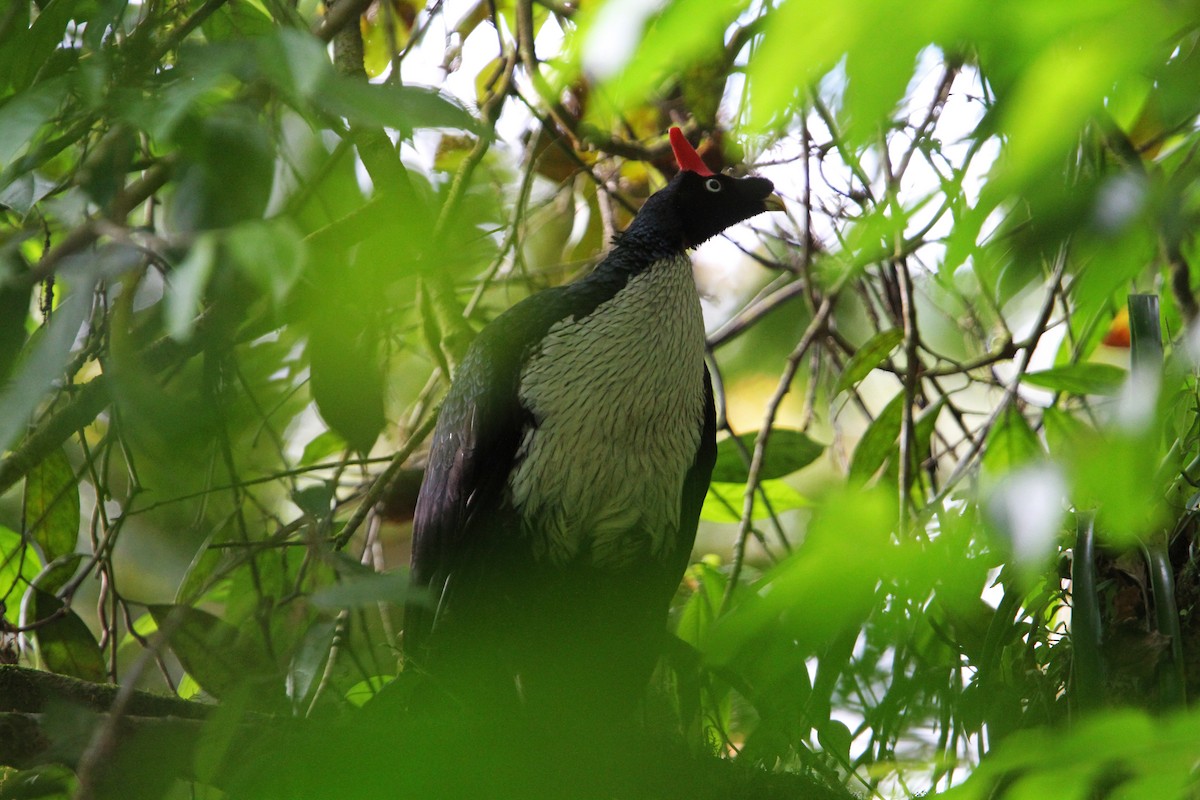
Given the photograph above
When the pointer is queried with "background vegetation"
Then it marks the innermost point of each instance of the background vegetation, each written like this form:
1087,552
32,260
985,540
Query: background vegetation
950,546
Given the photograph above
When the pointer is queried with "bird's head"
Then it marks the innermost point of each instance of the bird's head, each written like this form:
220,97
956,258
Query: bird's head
698,204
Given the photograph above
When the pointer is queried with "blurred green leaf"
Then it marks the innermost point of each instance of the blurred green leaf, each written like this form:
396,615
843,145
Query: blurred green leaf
1065,84
65,644
214,652
835,739
701,608
1065,432
19,565
52,505
868,357
23,57
1081,378
364,691
686,32
824,587
1010,443
226,169
724,501
787,451
347,379
241,20
1116,473
315,500
189,281
296,61
320,447
1162,748
43,782
271,254
357,591
22,117
878,442
306,666
403,108
58,573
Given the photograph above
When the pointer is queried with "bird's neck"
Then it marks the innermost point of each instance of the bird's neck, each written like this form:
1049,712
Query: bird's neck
641,246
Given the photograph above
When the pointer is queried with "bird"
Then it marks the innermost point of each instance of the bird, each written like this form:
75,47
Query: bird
568,467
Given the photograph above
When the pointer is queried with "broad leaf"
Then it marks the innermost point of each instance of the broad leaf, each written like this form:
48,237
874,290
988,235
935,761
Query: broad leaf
58,573
1011,443
270,254
724,501
787,451
1082,378
66,644
357,591
211,650
879,441
52,505
403,108
868,357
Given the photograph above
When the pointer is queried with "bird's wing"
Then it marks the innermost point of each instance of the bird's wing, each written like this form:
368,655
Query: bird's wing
695,483
459,514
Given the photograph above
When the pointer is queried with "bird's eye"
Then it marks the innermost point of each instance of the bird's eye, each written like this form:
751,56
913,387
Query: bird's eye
713,185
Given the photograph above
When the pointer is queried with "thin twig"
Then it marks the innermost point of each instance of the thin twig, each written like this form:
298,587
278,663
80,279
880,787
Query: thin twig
815,327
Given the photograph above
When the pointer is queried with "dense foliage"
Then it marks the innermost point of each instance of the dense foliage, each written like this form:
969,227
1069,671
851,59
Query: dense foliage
950,541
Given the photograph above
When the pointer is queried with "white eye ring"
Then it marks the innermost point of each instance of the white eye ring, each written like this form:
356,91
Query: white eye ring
713,185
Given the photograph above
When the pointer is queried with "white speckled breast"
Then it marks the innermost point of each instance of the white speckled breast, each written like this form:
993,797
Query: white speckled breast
619,400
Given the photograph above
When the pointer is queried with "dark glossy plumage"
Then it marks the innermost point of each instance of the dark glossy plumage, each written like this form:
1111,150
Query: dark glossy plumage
568,469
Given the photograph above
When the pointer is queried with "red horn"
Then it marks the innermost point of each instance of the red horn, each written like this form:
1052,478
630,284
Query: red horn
686,155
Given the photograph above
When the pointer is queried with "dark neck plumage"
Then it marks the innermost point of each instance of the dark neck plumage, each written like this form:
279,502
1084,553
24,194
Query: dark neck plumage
652,237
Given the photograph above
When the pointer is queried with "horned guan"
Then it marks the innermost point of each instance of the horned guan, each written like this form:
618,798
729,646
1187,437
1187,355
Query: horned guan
568,468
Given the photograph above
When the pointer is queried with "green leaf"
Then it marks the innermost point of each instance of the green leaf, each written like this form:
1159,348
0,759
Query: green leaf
320,447
868,357
58,573
1010,443
226,168
686,32
787,451
25,57
295,61
45,356
270,254
724,501
66,645
23,116
52,505
1065,433
211,650
22,193
364,691
315,500
238,21
348,380
1063,86
363,590
403,108
878,442
835,739
19,565
826,586
1081,378
189,281
310,658
702,605
43,782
